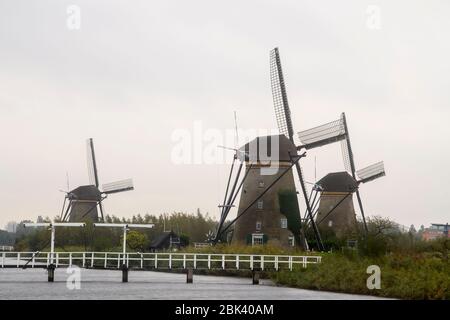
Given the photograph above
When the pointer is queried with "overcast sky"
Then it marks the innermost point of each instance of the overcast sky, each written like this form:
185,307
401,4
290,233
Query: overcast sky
138,71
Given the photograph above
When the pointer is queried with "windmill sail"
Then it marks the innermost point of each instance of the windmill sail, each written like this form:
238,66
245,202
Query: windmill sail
118,186
329,133
347,153
280,101
284,121
89,163
371,172
92,165
322,135
350,164
346,156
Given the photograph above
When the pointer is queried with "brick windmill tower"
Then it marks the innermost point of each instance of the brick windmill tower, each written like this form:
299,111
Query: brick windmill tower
336,195
275,217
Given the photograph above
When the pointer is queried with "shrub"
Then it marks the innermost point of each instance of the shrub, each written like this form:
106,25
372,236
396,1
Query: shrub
402,276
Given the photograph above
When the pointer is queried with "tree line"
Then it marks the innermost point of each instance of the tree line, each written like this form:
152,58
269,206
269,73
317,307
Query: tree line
189,227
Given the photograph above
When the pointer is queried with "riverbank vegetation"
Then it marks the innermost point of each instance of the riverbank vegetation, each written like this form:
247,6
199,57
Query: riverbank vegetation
410,268
404,276
420,272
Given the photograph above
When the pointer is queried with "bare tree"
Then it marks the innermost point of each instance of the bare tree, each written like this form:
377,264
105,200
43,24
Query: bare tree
378,225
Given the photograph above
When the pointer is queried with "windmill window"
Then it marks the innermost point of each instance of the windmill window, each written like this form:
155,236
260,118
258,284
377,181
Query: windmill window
330,223
291,241
257,239
284,223
261,184
258,225
260,205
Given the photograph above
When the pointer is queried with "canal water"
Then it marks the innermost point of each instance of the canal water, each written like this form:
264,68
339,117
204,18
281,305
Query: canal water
106,284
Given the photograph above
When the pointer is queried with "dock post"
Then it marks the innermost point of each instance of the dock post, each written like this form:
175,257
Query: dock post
51,272
255,276
124,273
189,275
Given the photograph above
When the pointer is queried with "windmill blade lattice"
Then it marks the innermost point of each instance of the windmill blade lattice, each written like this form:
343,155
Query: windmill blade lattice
92,165
280,101
118,186
371,172
90,162
347,153
346,156
284,122
322,135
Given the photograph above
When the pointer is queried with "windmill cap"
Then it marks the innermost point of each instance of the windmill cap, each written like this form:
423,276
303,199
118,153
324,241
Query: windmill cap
89,192
268,148
338,182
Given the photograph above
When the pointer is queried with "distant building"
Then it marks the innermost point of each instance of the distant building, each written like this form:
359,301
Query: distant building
166,241
436,231
401,228
11,227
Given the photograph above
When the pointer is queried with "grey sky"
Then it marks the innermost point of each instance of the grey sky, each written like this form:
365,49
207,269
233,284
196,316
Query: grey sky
137,71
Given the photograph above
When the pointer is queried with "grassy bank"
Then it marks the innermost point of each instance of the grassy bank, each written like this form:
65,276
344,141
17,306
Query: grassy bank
405,275
420,276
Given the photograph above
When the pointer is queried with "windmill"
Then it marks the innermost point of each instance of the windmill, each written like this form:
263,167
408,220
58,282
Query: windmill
209,236
288,156
339,182
82,202
268,208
